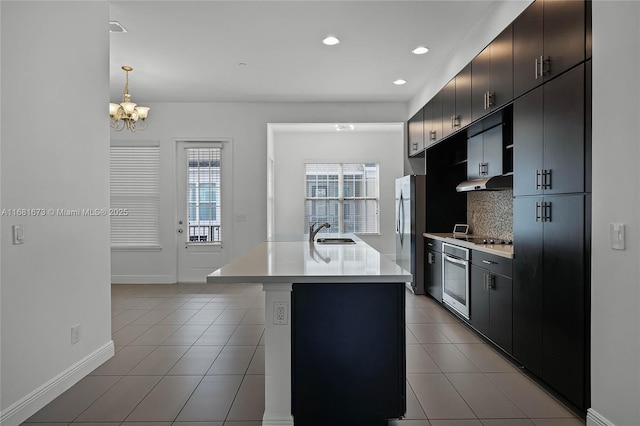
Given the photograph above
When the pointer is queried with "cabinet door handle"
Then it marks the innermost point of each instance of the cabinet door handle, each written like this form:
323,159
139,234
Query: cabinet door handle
491,282
485,100
415,146
544,65
546,179
536,70
479,169
546,211
430,258
488,262
484,169
430,244
538,212
432,135
490,100
538,184
484,281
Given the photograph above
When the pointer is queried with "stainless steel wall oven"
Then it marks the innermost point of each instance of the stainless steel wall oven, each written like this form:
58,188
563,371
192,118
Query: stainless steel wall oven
455,278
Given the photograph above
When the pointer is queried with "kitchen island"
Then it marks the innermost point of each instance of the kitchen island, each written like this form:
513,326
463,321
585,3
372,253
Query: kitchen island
334,331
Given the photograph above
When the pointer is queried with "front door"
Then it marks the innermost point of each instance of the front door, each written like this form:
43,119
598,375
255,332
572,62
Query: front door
204,208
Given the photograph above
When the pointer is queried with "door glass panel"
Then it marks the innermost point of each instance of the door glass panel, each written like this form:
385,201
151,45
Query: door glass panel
203,200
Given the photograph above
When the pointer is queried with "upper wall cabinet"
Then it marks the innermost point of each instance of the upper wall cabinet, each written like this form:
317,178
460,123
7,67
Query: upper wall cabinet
492,76
456,102
433,120
484,154
548,39
416,133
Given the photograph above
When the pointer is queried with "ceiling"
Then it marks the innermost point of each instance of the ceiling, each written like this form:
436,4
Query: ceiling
271,51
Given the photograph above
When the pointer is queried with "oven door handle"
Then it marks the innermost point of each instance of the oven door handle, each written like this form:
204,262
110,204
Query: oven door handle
456,260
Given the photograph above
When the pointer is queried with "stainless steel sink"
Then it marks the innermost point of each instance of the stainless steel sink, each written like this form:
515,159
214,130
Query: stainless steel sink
335,241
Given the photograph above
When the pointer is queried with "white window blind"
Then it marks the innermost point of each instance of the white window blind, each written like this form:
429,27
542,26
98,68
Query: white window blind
135,195
342,194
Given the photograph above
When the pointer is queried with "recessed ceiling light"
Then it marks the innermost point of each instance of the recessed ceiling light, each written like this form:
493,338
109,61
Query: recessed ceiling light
399,82
116,27
420,50
330,40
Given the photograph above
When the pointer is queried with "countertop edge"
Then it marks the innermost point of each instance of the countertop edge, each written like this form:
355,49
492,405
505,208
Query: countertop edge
392,273
447,238
324,279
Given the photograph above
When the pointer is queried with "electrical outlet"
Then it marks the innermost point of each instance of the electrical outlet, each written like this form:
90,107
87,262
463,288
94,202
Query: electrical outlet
280,313
75,334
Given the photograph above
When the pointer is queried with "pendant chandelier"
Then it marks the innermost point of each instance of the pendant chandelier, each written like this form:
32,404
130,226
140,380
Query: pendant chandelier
128,115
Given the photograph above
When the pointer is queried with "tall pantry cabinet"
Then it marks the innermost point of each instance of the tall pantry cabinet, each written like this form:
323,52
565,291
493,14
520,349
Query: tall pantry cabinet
551,202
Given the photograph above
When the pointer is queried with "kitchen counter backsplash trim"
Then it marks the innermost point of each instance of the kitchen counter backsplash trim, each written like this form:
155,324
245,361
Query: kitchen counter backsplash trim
497,249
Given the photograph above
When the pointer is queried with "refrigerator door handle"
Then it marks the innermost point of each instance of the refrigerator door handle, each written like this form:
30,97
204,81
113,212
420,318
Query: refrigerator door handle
401,218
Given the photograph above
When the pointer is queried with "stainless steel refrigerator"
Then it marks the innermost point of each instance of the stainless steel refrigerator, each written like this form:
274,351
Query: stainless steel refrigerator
410,225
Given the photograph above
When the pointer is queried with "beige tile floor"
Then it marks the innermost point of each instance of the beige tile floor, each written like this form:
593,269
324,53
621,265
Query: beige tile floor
193,355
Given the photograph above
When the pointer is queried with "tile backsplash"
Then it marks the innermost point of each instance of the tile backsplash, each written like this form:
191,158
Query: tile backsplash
490,213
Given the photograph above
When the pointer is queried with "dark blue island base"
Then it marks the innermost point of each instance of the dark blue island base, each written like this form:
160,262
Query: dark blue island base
348,354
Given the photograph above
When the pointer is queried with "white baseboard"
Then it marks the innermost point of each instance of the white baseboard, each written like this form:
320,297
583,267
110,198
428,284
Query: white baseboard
34,401
143,279
596,419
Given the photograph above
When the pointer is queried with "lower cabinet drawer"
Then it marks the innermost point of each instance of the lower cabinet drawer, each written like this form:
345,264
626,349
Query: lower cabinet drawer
496,264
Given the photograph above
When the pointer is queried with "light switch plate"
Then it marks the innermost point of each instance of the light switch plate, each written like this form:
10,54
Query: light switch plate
18,234
616,235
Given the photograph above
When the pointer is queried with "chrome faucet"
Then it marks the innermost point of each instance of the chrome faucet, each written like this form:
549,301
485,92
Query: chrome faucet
312,233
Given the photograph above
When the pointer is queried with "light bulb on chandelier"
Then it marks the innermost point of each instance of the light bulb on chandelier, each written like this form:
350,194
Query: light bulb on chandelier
127,114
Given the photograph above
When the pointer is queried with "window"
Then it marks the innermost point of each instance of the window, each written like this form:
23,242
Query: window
204,209
344,195
135,194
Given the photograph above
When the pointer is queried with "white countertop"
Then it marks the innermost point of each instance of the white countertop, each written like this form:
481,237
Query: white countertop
497,249
300,261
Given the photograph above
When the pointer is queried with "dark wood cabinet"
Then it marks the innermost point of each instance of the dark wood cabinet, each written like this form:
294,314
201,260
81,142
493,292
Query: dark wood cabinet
527,284
564,35
491,299
433,269
433,121
484,154
548,39
448,97
492,75
456,102
563,298
564,132
416,133
549,137
463,98
549,291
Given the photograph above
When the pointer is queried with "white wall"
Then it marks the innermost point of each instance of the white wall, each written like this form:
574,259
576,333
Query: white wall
246,124
55,142
615,286
293,149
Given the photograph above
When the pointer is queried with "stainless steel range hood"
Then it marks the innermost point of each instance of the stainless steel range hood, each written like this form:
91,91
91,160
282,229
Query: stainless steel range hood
493,183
